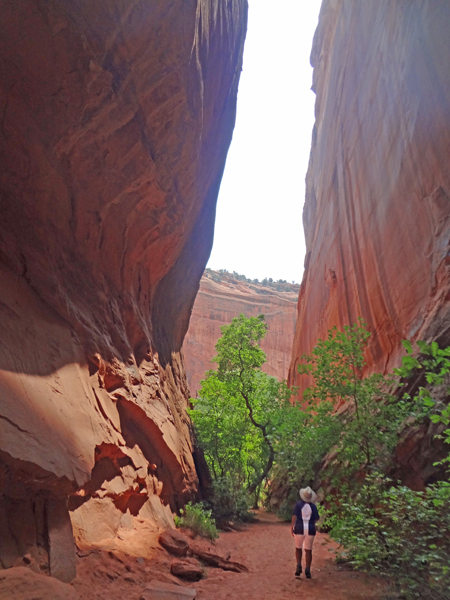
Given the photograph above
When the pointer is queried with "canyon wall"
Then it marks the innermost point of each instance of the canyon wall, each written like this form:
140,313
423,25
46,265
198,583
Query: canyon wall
115,123
377,210
222,297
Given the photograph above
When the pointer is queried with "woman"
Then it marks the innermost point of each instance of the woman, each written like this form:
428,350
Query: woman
303,528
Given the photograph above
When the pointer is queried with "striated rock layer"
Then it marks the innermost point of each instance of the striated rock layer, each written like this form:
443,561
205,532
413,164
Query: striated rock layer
115,123
377,210
222,297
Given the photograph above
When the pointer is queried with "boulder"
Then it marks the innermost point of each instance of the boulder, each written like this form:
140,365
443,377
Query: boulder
174,542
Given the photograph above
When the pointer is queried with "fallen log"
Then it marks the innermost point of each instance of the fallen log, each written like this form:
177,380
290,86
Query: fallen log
215,560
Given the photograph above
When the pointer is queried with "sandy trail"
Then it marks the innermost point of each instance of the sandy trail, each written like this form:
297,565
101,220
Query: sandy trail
267,548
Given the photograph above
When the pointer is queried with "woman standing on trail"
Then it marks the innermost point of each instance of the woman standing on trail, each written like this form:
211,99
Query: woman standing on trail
303,528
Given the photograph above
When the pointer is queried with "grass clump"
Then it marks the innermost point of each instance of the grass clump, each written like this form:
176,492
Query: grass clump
198,518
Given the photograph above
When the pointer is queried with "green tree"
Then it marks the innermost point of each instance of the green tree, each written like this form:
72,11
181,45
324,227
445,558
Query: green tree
369,413
239,406
222,429
239,359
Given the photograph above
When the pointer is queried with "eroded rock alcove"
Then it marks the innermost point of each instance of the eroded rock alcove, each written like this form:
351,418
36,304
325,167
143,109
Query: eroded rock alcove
115,123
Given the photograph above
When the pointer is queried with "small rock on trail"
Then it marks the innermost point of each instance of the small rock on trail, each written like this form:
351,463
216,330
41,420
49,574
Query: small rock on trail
156,590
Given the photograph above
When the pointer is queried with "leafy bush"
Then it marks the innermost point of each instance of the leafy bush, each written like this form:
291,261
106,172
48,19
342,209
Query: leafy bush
400,533
434,363
285,510
198,518
230,502
393,530
302,439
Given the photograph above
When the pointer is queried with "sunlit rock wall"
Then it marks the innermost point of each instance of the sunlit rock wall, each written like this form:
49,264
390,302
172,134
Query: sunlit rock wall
115,123
222,297
377,208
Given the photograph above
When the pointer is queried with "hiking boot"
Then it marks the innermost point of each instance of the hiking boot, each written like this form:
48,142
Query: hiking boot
298,572
307,573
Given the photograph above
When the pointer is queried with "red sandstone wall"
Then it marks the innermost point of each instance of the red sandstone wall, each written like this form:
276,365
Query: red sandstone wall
377,210
115,123
217,303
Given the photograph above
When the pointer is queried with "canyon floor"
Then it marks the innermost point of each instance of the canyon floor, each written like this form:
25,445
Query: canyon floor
265,547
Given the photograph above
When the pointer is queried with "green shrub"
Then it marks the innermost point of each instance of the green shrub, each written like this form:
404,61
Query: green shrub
198,519
230,502
400,533
285,511
391,530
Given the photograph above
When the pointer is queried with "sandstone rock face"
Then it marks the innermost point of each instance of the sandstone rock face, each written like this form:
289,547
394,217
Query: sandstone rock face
377,210
115,123
222,297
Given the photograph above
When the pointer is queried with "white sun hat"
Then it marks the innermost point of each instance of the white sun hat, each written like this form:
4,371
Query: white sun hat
308,495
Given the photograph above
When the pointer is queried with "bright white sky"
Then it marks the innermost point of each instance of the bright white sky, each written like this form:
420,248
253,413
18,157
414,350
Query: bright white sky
259,230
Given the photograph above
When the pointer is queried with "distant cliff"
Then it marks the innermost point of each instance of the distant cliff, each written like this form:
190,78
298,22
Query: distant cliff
223,296
377,210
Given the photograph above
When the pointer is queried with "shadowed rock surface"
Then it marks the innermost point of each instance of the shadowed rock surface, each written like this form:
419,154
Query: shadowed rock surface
377,210
115,123
187,569
222,297
20,583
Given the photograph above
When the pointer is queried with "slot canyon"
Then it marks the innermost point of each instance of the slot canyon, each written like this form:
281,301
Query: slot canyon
116,119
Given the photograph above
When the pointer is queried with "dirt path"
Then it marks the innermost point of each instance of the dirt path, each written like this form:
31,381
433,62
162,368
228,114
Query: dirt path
267,548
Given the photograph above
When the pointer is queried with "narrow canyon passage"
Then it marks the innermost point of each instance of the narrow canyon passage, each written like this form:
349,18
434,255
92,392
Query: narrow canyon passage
116,120
267,548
